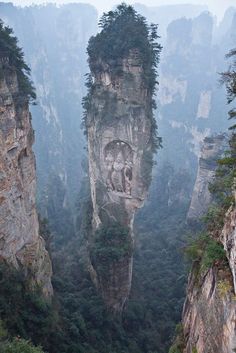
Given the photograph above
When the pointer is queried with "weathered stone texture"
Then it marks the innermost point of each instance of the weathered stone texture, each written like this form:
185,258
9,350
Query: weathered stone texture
209,316
20,243
211,151
119,139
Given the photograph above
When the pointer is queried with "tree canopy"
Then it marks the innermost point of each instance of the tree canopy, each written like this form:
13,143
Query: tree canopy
9,48
121,31
226,172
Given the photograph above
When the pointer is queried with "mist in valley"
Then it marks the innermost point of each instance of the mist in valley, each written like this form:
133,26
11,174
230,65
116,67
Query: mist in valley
128,126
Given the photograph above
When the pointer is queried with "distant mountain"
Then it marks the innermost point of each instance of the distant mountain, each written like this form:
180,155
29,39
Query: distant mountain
164,15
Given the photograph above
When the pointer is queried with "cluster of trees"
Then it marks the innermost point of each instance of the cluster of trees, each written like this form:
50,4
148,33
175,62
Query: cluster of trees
226,173
123,30
24,314
111,244
11,50
77,321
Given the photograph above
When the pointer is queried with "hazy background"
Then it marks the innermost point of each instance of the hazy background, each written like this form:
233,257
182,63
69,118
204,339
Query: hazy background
191,105
218,7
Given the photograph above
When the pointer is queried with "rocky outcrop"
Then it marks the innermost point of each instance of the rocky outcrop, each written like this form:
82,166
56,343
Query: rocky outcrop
209,314
119,134
58,65
211,151
20,242
228,239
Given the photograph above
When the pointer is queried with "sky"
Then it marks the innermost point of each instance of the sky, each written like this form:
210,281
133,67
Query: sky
217,7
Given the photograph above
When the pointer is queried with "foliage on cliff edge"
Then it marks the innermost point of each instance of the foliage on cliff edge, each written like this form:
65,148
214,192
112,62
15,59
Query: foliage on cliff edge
224,184
12,56
122,31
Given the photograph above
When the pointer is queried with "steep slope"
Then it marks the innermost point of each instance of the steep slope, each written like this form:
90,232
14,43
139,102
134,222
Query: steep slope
121,140
20,242
208,323
211,151
191,102
54,41
209,314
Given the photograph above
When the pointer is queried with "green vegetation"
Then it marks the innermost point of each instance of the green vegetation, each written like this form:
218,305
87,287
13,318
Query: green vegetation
179,343
111,244
10,49
18,345
226,172
23,312
206,251
78,321
110,46
113,43
214,218
224,287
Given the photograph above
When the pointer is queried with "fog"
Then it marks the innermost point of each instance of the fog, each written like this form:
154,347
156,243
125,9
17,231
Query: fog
217,7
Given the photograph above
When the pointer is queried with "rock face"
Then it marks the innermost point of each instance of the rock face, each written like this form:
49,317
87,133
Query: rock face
20,243
212,149
119,134
56,53
228,239
209,314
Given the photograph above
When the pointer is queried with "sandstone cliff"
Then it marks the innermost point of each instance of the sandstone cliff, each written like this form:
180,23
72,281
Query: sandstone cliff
121,132
209,314
211,151
20,242
58,65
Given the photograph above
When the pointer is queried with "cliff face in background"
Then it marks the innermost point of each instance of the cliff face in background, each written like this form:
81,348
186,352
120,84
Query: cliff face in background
209,314
165,14
20,242
211,151
54,41
191,102
119,133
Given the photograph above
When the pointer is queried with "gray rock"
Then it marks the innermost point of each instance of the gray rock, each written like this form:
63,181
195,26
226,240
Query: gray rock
20,242
119,134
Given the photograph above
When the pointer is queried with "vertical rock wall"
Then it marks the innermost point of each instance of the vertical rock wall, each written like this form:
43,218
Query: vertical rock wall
20,242
209,316
211,151
119,142
210,313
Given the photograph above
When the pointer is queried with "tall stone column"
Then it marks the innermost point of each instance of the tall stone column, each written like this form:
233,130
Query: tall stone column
121,132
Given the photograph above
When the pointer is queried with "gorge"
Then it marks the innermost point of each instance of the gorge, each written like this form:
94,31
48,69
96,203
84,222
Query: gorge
114,219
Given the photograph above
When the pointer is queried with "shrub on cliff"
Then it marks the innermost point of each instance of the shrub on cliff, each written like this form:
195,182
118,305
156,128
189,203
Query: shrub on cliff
206,251
18,345
121,31
224,183
112,243
9,49
24,313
